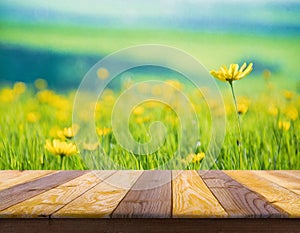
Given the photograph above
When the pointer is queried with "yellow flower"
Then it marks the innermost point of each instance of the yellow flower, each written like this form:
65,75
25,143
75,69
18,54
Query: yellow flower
284,125
291,112
138,110
19,88
196,157
68,132
62,115
103,131
174,83
33,117
288,95
102,73
61,148
243,105
140,120
40,84
51,98
233,73
7,95
90,146
242,108
267,74
273,110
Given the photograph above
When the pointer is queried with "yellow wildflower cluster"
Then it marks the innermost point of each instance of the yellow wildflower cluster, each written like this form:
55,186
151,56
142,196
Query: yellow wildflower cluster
284,125
62,146
11,94
53,99
103,131
196,158
33,117
291,112
273,110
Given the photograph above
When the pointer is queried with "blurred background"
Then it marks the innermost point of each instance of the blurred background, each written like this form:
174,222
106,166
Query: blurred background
60,41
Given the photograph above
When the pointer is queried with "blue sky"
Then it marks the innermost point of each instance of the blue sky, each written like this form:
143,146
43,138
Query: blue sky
187,14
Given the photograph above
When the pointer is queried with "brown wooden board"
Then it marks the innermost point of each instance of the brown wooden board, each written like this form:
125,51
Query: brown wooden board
236,199
150,197
21,192
280,197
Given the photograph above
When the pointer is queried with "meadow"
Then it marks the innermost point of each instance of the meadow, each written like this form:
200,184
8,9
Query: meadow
34,115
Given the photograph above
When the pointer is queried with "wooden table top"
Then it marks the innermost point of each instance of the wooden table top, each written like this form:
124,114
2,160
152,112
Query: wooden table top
176,194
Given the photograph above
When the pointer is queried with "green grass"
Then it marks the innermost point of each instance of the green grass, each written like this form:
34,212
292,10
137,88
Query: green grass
264,144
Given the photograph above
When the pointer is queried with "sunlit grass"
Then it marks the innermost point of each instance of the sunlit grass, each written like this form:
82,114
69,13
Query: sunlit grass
30,116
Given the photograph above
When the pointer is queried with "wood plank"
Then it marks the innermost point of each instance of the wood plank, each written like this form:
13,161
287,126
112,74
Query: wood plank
274,193
43,205
192,198
100,201
295,173
150,197
13,178
7,174
236,199
283,178
22,192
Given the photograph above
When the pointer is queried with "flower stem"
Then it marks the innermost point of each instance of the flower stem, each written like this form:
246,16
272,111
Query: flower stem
61,161
239,138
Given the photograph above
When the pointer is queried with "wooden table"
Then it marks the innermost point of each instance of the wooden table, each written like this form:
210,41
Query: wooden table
149,201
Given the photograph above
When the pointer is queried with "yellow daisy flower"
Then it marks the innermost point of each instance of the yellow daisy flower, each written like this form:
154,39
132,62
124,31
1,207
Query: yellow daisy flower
233,73
68,133
61,148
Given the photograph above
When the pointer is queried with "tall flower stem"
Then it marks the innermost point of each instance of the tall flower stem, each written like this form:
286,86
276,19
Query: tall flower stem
239,138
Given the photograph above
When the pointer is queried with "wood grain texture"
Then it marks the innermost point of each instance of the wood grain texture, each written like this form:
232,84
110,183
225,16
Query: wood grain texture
192,198
12,178
273,193
150,197
22,192
43,205
295,173
286,179
8,174
236,199
130,194
100,201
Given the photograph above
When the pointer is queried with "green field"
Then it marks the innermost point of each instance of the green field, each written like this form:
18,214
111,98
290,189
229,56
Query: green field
270,125
210,49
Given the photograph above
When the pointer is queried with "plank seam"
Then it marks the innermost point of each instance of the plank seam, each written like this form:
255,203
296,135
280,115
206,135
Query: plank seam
112,213
228,215
263,197
30,180
80,195
44,190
